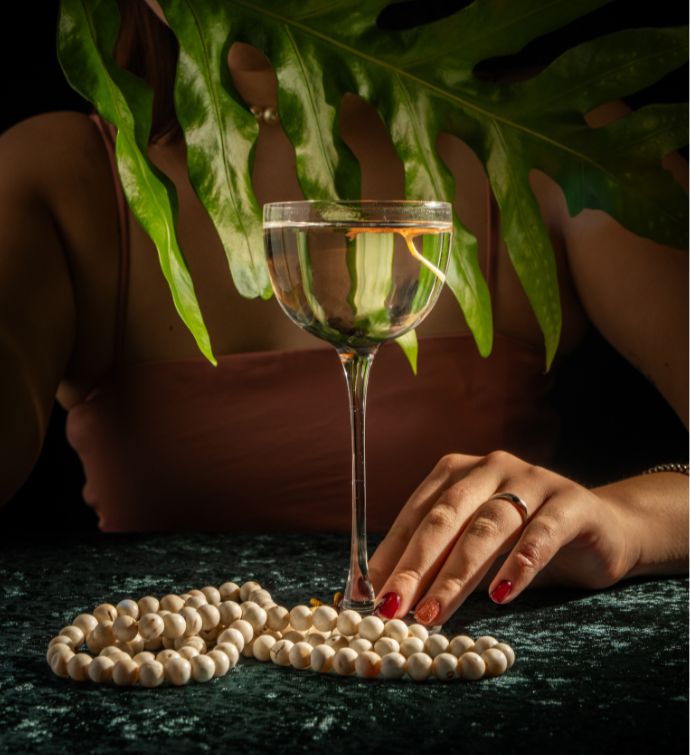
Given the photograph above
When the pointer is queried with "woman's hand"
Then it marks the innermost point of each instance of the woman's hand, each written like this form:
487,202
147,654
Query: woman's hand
449,535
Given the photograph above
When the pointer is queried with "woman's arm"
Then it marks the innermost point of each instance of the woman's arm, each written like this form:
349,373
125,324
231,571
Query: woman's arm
37,314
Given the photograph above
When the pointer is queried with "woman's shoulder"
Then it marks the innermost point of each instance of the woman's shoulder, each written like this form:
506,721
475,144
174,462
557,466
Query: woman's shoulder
51,150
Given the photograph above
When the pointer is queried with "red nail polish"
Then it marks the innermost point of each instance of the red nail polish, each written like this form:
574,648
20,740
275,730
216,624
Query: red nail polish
502,591
388,605
427,611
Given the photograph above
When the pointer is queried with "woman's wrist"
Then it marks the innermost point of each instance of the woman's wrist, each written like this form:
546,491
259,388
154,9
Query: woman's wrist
653,510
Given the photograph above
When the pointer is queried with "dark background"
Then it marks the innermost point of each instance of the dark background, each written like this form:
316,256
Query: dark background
597,389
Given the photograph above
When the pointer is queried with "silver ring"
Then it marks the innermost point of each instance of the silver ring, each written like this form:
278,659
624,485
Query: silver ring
519,504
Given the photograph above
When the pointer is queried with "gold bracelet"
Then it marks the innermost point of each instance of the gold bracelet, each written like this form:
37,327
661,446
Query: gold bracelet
681,468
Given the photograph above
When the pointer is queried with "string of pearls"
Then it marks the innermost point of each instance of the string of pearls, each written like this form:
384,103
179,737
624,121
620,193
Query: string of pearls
201,634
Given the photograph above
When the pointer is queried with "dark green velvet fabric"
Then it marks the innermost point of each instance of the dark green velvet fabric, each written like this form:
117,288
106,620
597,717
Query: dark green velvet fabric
595,672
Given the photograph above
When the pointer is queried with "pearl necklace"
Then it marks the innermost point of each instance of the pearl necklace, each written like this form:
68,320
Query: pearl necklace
202,633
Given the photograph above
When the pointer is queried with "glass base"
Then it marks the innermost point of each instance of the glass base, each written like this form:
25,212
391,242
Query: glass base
361,606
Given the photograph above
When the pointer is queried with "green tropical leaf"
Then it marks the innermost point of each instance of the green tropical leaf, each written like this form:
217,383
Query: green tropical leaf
86,40
422,83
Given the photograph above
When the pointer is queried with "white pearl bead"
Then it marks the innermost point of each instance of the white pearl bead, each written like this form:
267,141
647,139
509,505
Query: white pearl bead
75,634
203,668
385,645
507,651
417,630
278,617
125,628
495,660
348,622
254,614
86,622
144,657
56,650
196,601
301,618
135,645
148,604
114,653
165,655
101,636
61,639
59,660
445,666
436,644
393,666
245,628
209,636
484,643
248,650
229,612
418,666
411,645
460,644
221,662
127,607
151,674
262,647
233,636
471,666
151,626
360,645
174,625
231,651
368,665
371,628
262,597
316,638
172,603
344,661
101,669
247,588
186,651
192,621
229,591
322,658
294,636
178,671
300,655
105,612
210,616
280,652
195,642
396,629
125,672
197,594
212,595
325,618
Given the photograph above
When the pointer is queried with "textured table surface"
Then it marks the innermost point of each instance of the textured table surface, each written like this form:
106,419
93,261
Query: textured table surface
596,672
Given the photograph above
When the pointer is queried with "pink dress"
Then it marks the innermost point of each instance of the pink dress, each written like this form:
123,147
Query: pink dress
261,442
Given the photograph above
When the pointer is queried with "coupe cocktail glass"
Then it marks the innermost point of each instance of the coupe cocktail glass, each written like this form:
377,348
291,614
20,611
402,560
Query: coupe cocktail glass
356,274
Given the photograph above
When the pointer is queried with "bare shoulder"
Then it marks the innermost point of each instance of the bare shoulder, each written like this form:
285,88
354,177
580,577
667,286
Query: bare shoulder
51,150
60,231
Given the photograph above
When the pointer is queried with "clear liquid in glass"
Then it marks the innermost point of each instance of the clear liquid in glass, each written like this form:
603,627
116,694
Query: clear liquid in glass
353,284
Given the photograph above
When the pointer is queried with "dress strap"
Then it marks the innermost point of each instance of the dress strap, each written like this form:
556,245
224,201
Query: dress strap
107,132
492,239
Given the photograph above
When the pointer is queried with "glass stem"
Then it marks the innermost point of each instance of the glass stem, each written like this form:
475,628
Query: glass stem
359,593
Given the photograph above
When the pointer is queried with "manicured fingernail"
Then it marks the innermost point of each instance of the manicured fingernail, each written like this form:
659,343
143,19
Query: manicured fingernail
427,611
388,605
501,591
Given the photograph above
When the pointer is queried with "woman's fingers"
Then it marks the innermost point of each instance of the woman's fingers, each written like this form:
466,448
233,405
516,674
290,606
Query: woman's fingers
434,541
490,532
449,470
